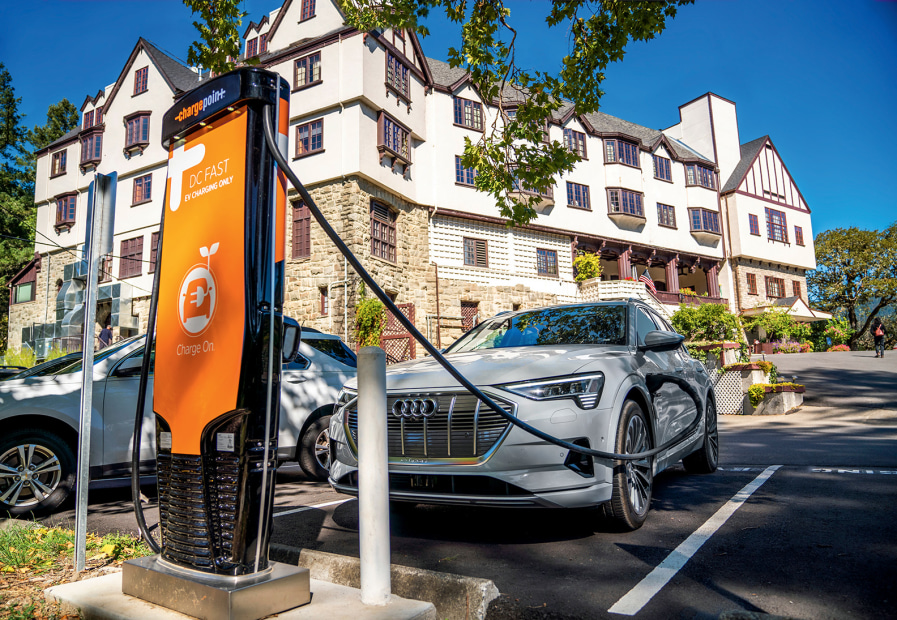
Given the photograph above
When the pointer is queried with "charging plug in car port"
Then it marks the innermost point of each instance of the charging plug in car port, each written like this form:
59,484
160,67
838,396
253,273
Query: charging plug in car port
582,464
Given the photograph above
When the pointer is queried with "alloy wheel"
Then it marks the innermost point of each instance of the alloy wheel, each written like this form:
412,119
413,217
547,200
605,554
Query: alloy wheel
322,449
29,473
638,473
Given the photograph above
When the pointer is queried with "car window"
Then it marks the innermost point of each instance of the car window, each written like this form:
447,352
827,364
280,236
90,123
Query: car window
131,366
98,356
334,348
588,324
48,368
643,324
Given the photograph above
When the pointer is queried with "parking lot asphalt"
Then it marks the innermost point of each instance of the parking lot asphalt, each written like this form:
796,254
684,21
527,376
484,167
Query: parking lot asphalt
815,539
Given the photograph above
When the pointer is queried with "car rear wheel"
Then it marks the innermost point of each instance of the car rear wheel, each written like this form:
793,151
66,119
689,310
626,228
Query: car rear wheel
37,472
632,480
706,459
314,449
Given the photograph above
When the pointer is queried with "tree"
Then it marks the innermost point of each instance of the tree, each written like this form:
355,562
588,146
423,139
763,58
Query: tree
12,144
219,30
711,322
514,163
856,269
62,117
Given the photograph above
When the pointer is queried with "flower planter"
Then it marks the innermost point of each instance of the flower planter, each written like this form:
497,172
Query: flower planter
779,399
750,375
728,354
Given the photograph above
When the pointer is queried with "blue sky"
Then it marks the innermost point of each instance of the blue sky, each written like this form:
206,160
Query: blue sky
818,76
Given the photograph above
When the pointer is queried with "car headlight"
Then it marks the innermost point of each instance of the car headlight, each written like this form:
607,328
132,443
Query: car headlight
345,396
584,389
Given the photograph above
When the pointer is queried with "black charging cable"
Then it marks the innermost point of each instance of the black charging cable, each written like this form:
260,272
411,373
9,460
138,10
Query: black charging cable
148,354
654,381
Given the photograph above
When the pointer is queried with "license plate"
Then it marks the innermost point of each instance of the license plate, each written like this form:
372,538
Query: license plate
423,482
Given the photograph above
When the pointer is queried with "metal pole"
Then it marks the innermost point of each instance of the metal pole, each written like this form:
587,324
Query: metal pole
373,480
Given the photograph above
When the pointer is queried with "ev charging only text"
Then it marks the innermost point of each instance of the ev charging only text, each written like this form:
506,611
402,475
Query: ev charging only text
207,180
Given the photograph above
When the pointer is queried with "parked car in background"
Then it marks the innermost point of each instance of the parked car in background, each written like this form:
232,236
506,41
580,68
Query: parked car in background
611,376
39,417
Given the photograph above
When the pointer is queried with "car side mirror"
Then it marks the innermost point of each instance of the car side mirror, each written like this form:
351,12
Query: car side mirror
661,341
292,335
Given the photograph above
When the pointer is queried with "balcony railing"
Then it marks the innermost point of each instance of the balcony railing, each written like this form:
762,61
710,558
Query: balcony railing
666,297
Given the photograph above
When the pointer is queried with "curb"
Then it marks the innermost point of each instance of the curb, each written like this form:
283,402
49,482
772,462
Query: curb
455,597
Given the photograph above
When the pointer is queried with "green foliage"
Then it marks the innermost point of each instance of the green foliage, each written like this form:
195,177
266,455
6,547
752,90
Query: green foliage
55,353
757,392
370,319
856,274
587,266
707,322
512,154
219,30
839,330
838,347
779,324
19,357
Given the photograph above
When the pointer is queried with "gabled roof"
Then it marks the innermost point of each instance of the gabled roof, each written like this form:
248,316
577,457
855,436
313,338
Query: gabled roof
444,74
68,137
749,152
796,306
178,77
92,100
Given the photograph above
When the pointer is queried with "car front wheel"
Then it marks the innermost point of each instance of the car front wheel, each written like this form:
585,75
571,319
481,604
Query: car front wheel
37,472
314,449
633,480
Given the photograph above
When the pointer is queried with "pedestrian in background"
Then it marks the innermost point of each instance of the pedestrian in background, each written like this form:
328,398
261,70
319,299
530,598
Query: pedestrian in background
105,336
878,334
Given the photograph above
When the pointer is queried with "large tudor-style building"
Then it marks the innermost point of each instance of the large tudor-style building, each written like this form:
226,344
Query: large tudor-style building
376,131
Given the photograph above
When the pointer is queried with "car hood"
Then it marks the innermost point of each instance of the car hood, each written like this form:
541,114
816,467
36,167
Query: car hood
497,366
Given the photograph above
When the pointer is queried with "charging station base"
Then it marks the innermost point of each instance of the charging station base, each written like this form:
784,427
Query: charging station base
214,597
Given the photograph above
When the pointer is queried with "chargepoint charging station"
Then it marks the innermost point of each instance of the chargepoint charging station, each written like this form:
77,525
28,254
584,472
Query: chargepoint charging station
219,341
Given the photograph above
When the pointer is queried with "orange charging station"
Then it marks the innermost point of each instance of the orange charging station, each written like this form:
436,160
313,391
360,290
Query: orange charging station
218,347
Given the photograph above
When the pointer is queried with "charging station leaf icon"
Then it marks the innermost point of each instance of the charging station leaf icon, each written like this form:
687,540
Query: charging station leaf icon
204,252
213,249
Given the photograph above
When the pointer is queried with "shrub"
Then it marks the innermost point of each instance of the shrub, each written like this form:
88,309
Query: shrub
838,347
711,322
786,347
19,357
757,392
369,320
687,291
778,325
838,330
587,265
806,347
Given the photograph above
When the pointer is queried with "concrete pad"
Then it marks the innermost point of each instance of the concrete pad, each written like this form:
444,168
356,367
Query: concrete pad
456,597
101,598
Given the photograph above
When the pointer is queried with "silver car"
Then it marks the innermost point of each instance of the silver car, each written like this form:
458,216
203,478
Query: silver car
39,417
612,376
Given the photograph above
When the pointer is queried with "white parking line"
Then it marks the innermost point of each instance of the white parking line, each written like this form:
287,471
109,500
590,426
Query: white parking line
313,506
639,596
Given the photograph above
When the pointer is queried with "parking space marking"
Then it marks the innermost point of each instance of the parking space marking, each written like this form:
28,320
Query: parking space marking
313,506
639,596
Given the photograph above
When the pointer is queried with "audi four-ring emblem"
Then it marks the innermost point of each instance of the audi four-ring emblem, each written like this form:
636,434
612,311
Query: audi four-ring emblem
415,407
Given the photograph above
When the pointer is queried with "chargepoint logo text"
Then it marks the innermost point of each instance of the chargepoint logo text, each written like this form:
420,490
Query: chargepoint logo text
203,104
182,160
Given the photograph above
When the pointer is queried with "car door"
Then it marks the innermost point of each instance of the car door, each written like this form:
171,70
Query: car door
669,399
119,407
682,368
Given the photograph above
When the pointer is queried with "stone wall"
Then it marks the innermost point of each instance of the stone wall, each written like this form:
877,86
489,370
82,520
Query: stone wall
40,310
762,269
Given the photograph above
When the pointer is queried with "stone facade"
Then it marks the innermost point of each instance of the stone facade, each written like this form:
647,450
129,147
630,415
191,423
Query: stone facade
761,270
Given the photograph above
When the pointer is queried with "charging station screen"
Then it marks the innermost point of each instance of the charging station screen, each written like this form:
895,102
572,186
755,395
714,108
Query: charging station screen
200,317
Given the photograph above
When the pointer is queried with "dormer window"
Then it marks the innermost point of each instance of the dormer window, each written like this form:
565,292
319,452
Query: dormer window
621,152
397,78
700,175
140,80
57,166
98,117
575,142
308,10
88,120
263,43
252,48
662,168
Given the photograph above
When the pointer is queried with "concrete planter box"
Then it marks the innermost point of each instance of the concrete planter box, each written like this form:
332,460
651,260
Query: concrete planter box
728,354
750,374
778,400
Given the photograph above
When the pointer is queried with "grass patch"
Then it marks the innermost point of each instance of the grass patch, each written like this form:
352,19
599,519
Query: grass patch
34,557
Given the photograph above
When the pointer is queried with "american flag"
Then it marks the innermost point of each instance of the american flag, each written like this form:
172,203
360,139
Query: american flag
646,278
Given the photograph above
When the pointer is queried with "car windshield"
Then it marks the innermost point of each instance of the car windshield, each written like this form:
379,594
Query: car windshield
98,356
549,326
47,368
334,348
